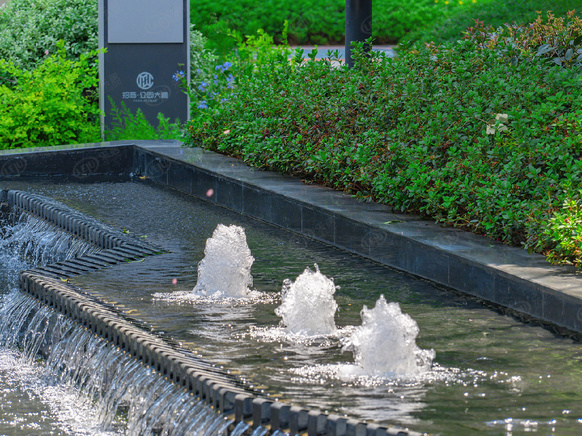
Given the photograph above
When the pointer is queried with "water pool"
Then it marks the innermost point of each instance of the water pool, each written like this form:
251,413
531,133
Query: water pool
493,374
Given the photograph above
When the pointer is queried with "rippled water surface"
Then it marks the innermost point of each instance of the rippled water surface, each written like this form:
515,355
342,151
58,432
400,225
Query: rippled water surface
492,373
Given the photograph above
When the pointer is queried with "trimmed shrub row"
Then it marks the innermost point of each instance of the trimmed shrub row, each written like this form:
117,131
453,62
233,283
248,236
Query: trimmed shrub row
483,134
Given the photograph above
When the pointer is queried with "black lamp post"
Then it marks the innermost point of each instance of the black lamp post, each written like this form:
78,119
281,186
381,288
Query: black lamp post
358,25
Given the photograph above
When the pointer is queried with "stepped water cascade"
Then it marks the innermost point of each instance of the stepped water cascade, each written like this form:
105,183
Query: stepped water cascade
29,239
160,329
128,396
121,394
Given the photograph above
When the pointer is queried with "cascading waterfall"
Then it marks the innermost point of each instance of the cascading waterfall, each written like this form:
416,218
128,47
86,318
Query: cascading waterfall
240,429
125,392
128,396
484,363
260,431
40,243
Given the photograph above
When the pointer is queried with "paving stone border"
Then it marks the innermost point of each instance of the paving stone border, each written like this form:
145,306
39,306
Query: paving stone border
224,393
507,277
504,276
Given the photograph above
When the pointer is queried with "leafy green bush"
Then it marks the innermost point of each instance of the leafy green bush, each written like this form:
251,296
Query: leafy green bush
565,228
210,90
31,29
314,22
484,138
449,27
201,57
50,105
558,40
126,125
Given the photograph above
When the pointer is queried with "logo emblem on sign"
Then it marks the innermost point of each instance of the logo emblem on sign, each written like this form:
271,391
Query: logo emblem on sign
145,80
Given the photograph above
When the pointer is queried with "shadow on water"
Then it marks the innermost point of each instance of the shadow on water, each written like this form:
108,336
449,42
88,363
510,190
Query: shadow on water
491,373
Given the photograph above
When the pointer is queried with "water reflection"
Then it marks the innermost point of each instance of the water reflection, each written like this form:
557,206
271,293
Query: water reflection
490,363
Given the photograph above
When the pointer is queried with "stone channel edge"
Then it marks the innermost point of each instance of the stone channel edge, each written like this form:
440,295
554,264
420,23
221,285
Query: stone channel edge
49,285
508,277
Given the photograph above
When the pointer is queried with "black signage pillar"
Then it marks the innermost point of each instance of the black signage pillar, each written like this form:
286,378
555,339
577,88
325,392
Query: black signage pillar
358,25
147,44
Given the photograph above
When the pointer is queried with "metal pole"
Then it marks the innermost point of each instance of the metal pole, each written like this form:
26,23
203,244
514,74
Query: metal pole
358,25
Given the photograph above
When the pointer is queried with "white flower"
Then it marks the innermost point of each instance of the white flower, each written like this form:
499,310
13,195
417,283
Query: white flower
499,125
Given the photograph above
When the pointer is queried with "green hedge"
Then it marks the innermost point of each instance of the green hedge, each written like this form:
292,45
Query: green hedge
450,27
31,29
483,134
51,105
320,22
323,22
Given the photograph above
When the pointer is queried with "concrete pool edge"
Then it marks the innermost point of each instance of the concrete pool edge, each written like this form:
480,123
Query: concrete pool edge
505,276
49,285
224,393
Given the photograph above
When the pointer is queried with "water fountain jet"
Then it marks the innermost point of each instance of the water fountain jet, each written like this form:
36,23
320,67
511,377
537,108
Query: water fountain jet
308,307
385,343
225,270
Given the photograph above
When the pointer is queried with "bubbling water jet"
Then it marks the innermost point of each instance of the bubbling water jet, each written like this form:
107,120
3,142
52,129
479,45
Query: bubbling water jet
225,270
385,343
308,307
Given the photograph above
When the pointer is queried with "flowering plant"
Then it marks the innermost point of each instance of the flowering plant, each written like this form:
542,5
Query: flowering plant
207,91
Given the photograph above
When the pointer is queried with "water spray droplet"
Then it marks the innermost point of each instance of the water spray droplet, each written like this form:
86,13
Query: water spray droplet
308,307
225,270
385,343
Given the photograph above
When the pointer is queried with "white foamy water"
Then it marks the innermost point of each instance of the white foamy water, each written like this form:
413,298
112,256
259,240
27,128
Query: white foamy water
33,404
225,270
308,307
352,375
224,275
385,343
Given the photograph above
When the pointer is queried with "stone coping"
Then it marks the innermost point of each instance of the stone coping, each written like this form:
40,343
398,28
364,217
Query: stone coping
505,276
508,277
224,393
